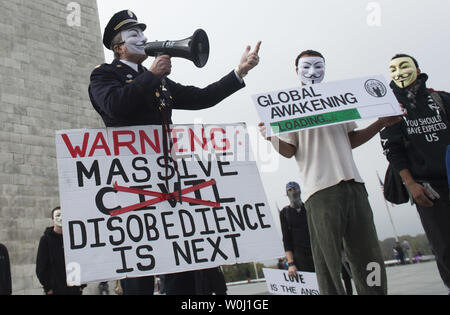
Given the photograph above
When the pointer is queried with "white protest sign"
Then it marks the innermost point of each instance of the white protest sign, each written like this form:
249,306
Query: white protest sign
325,104
121,220
279,282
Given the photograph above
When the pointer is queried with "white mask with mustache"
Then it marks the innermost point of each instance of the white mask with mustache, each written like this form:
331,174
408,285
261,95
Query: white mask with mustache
311,70
134,40
57,218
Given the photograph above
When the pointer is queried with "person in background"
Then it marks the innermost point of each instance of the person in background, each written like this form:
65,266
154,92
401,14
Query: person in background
281,264
416,147
248,275
103,288
408,251
400,254
50,261
162,284
418,256
294,226
5,271
394,251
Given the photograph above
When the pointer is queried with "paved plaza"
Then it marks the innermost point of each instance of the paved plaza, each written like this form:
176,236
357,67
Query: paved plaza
418,279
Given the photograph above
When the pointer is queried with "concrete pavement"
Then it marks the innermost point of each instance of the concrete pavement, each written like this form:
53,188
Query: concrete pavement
418,279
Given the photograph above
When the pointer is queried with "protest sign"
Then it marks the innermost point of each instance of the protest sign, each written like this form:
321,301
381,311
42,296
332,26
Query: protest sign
279,282
326,104
121,220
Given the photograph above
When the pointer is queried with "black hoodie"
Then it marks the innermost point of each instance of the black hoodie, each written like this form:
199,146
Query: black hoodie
5,272
419,143
50,264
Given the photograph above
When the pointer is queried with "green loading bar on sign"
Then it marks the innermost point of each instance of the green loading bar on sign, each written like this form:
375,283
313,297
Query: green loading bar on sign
315,121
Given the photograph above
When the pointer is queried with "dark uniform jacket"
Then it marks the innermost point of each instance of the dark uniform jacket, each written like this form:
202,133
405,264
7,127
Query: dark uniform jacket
124,97
296,239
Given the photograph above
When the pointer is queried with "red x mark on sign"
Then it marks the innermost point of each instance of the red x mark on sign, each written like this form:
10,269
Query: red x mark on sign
161,197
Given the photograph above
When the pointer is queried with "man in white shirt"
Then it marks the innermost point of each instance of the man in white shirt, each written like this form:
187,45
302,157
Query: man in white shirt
336,199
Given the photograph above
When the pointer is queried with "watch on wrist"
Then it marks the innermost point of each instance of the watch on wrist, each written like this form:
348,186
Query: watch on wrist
239,72
291,264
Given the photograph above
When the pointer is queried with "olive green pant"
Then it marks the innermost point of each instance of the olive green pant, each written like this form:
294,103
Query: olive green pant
341,216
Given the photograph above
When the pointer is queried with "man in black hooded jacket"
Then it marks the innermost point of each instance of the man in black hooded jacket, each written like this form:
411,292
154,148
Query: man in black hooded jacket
295,230
50,261
5,271
416,148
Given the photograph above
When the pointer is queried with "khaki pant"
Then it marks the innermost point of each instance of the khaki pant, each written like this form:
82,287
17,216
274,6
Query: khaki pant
341,215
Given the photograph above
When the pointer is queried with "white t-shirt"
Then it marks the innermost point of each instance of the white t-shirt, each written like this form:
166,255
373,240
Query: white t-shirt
324,157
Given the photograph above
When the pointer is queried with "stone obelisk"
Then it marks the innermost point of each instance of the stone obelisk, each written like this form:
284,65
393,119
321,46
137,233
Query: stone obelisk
48,50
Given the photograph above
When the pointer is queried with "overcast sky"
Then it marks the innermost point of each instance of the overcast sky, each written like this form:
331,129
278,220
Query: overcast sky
337,28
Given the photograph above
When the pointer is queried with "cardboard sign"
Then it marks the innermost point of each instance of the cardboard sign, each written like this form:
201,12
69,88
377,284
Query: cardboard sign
326,104
279,282
121,220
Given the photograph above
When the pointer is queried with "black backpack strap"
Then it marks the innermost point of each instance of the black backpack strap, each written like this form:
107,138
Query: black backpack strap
438,99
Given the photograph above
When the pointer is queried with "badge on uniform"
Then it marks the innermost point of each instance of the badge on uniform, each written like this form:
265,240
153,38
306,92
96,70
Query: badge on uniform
130,78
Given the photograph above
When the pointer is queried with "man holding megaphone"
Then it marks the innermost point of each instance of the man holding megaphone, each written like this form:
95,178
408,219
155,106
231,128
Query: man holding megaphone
124,93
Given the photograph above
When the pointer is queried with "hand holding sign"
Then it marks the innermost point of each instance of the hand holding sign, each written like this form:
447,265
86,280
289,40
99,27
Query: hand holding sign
249,60
280,282
326,104
293,271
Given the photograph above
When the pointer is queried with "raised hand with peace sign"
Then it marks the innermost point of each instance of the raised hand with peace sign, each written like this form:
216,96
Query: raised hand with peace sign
249,60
